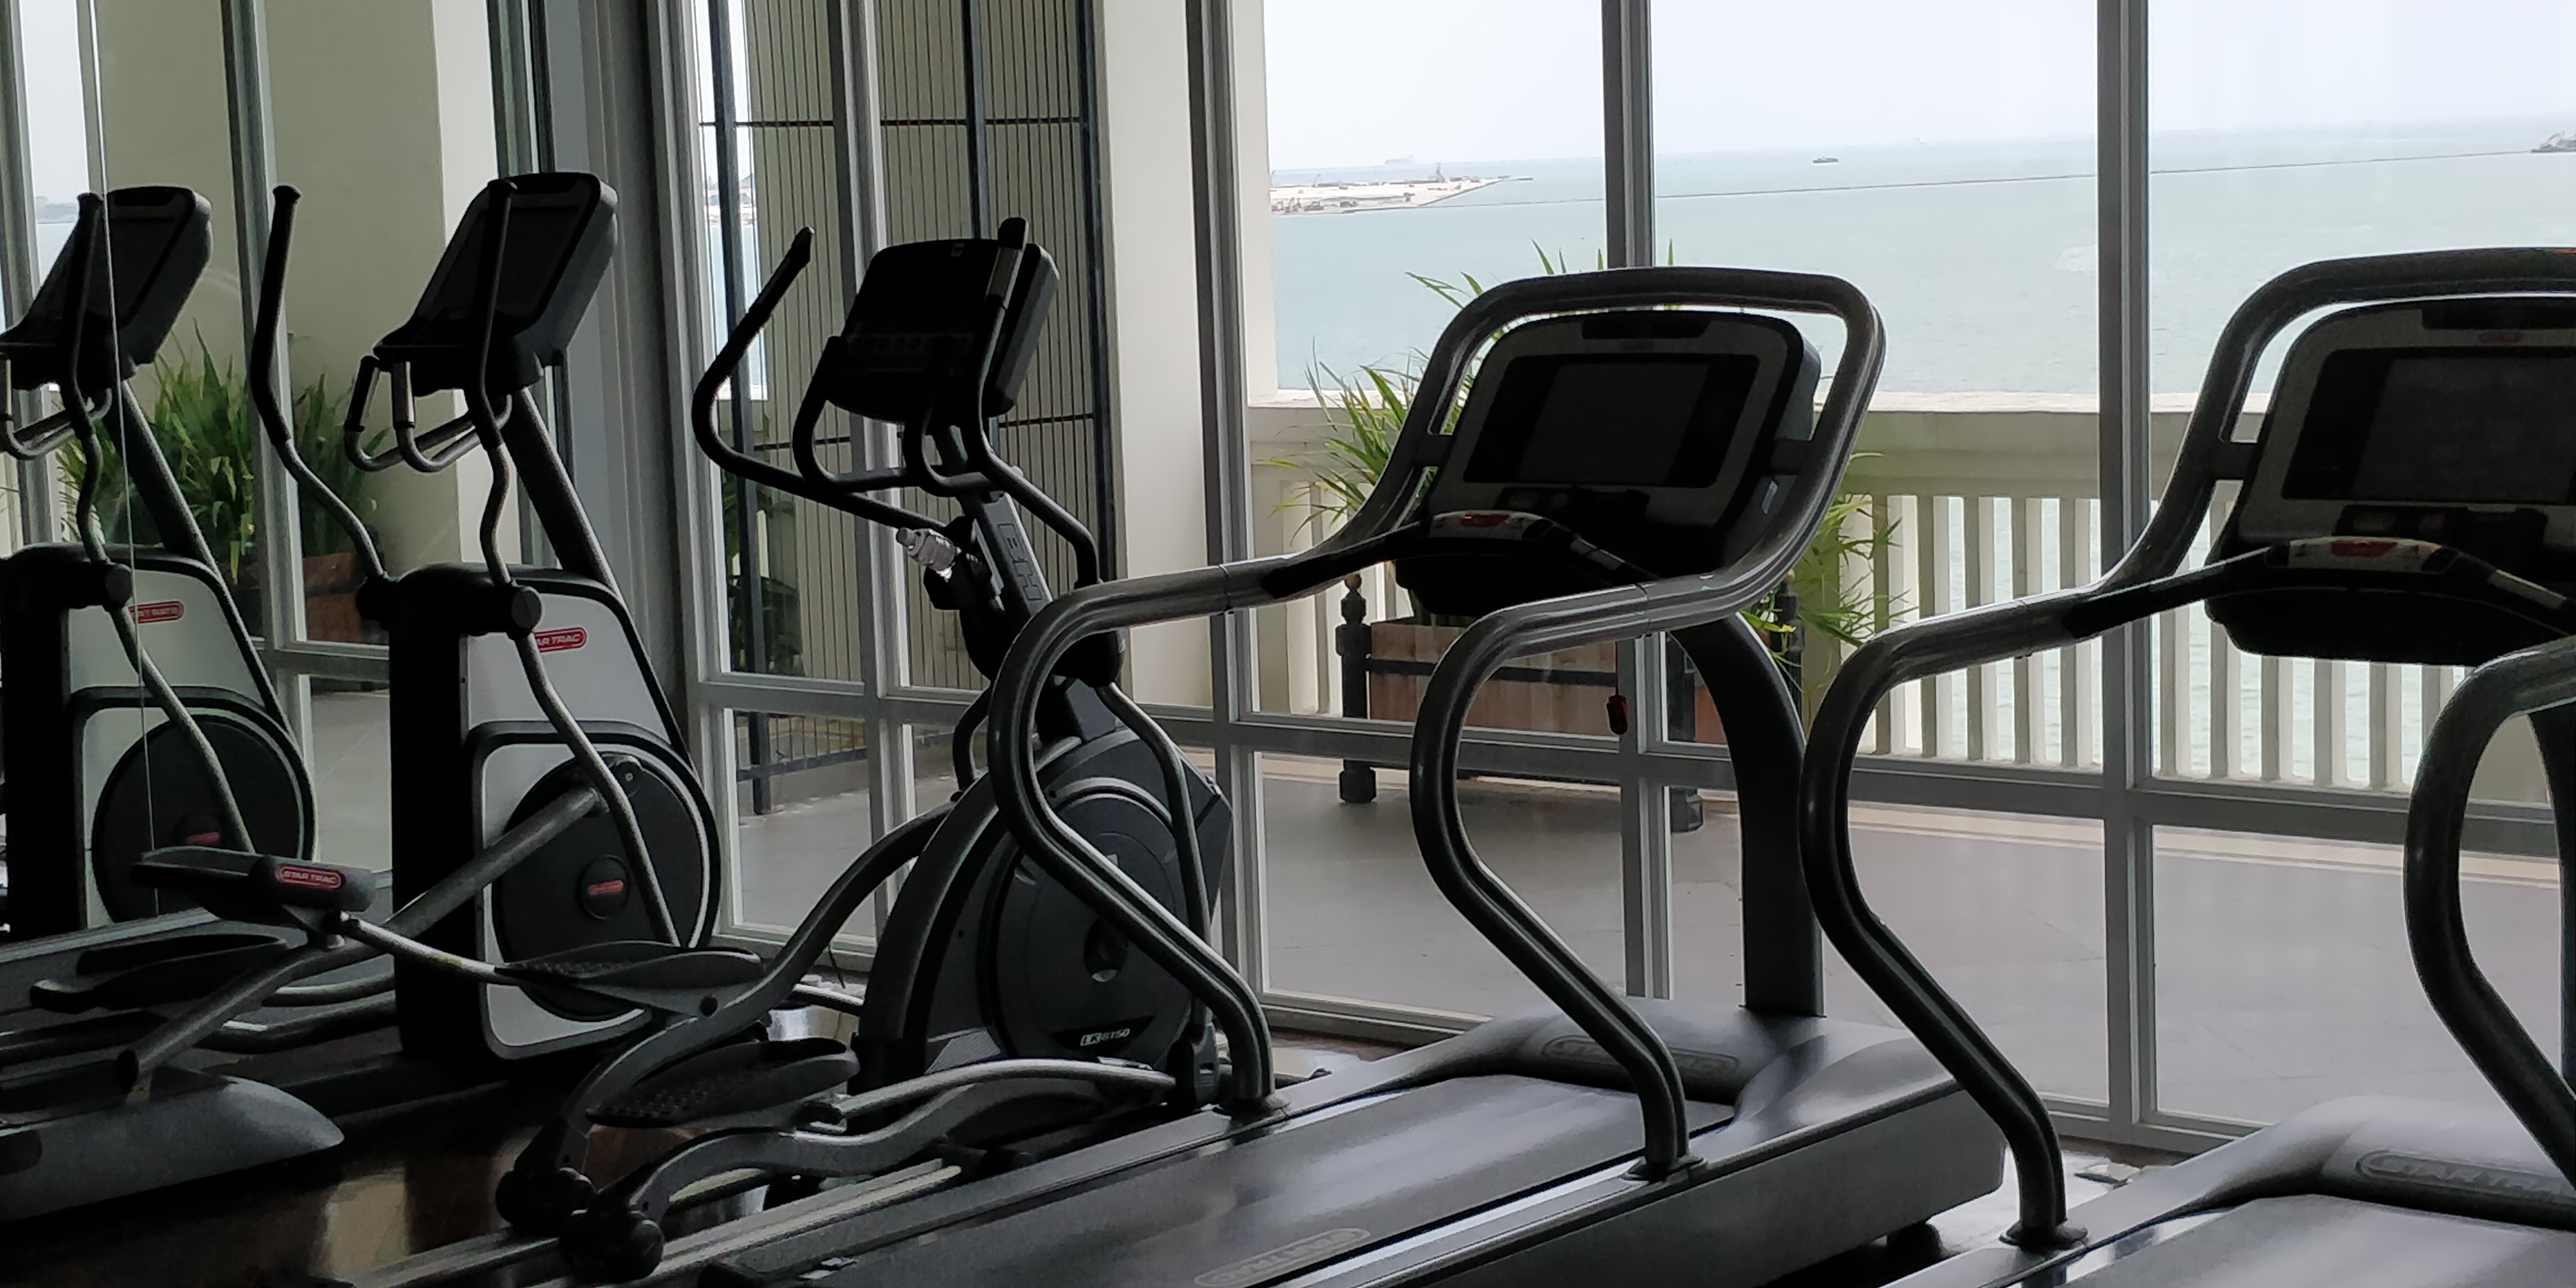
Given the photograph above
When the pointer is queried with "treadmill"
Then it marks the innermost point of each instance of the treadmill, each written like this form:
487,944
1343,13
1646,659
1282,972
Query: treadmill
1635,454
2410,497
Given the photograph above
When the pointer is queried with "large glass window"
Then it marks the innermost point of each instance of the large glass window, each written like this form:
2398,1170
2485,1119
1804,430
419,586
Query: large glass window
2281,136
1396,159
54,110
2283,978
1354,915
1968,218
1399,186
802,813
1956,188
1388,167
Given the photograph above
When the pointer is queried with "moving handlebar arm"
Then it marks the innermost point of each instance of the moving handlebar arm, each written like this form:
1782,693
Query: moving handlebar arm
728,362
453,891
263,387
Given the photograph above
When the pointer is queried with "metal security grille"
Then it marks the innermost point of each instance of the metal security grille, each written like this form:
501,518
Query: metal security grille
987,111
793,567
984,110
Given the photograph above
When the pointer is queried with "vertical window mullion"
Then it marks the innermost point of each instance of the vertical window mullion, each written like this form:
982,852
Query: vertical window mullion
2127,705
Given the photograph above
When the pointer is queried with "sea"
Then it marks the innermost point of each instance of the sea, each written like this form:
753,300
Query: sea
1981,258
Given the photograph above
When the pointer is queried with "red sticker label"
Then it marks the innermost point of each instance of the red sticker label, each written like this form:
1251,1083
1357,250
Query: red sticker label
168,610
608,889
296,874
556,641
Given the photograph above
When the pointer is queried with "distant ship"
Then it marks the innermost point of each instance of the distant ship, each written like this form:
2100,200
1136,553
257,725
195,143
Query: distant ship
2556,143
1825,161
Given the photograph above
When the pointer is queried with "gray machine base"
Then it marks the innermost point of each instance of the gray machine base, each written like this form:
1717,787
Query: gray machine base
2369,1192
192,1126
1815,1136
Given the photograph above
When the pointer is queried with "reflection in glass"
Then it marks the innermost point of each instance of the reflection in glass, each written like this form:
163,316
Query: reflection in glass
352,767
370,130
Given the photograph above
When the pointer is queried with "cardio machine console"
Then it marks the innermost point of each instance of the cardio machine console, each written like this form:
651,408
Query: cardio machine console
158,241
920,320
2451,422
1667,438
562,230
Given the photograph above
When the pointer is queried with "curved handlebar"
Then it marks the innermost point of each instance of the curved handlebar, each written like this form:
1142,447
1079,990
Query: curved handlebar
1622,612
263,387
1020,681
1018,691
728,362
2530,681
428,453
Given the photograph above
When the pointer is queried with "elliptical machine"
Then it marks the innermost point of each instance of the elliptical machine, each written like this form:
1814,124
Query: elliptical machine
114,752
111,754
1004,1021
513,686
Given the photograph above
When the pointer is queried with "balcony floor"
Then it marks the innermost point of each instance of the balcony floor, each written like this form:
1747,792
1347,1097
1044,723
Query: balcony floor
2282,978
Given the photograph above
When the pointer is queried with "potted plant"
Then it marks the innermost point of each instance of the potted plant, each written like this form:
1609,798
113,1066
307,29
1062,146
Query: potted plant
202,419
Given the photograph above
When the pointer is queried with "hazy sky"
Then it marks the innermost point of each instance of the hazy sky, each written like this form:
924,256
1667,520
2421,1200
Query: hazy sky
56,144
1353,82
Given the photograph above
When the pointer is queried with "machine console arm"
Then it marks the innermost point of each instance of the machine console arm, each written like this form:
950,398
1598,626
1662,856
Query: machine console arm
728,363
263,387
45,436
2272,308
809,464
1013,278
428,453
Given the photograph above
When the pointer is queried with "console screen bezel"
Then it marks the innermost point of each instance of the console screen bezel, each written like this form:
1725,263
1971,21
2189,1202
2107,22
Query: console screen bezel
2268,515
1776,346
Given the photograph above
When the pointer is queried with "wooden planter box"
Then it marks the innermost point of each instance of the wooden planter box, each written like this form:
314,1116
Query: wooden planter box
1562,692
331,599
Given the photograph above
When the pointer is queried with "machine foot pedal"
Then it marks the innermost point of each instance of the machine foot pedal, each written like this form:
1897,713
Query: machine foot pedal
736,1079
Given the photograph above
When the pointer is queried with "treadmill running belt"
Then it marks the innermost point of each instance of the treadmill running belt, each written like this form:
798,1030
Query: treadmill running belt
2313,1241
1264,1208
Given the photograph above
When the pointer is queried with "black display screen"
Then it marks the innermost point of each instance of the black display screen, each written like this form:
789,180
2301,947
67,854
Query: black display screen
2460,426
1641,420
532,256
